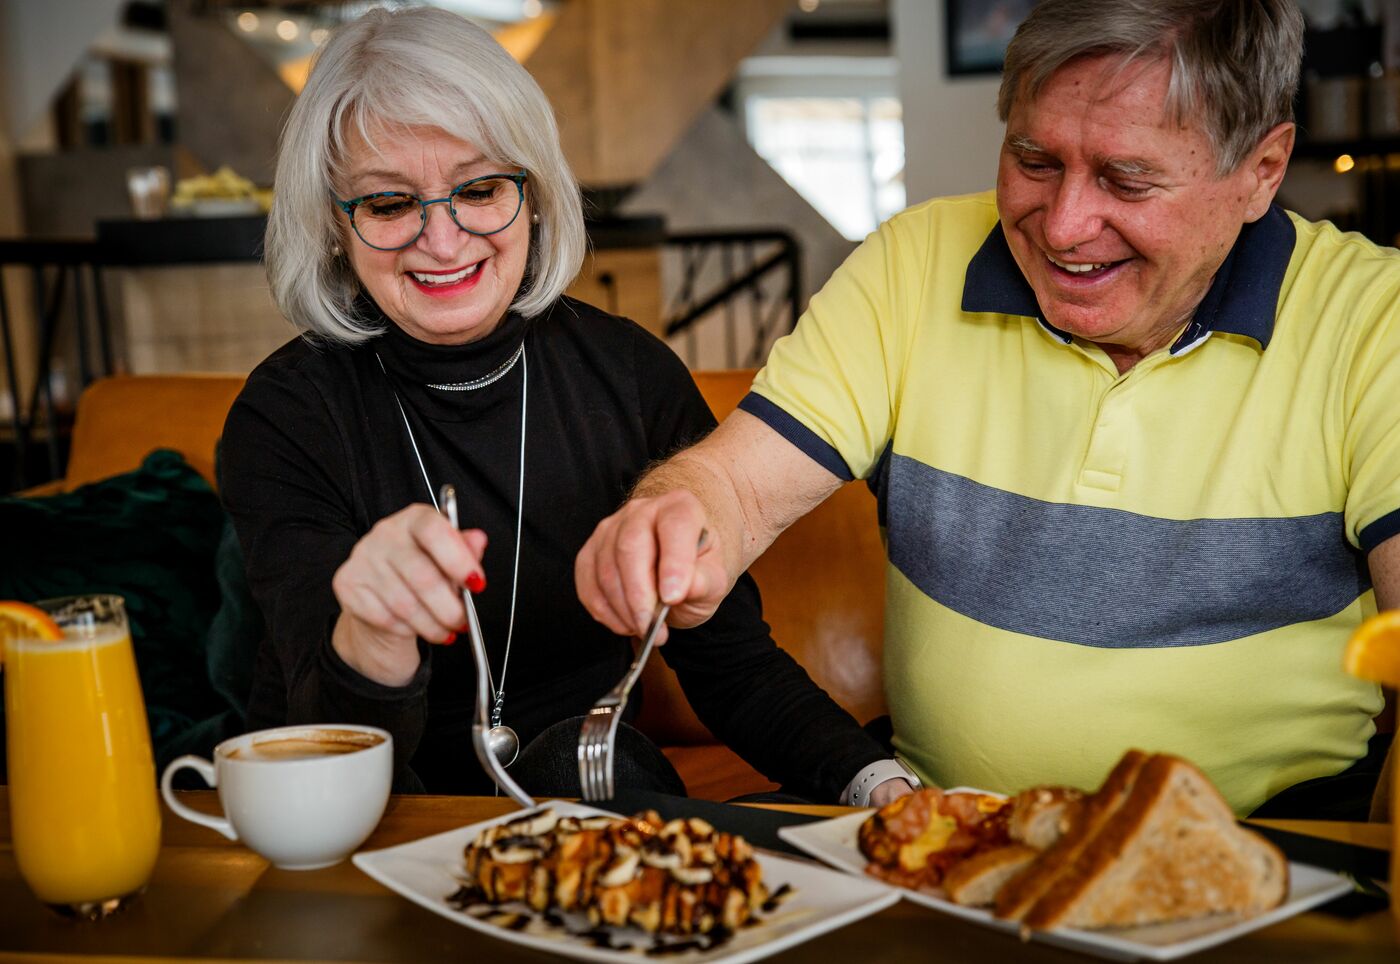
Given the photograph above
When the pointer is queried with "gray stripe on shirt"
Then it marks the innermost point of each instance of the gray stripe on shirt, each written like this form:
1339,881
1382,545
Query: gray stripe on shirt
1109,578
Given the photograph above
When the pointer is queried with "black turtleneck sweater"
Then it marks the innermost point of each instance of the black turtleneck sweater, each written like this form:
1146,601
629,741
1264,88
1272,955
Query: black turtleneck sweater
315,452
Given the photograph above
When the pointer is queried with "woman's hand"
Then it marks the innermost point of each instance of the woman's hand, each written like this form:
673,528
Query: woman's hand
403,580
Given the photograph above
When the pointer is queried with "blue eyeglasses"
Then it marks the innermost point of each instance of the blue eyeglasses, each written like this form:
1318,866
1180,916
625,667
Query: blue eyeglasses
390,220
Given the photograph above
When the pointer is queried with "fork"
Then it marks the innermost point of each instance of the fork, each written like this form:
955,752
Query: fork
481,725
599,732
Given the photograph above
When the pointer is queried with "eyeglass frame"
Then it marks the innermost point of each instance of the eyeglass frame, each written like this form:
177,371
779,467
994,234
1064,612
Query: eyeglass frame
349,206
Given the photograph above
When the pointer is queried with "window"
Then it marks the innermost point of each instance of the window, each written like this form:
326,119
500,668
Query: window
843,151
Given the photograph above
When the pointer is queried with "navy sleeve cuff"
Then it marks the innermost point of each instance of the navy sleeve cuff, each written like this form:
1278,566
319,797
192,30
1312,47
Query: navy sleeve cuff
816,448
1380,530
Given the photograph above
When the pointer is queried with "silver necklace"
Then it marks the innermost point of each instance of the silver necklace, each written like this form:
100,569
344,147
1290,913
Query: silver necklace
490,378
503,741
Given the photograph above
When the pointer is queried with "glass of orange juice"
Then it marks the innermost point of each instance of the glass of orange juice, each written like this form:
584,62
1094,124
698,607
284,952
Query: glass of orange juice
83,814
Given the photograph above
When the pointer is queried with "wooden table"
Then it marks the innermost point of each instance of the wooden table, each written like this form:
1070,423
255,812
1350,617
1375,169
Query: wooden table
211,899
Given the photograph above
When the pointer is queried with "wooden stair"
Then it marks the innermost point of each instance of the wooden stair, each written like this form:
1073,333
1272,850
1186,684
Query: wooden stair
627,78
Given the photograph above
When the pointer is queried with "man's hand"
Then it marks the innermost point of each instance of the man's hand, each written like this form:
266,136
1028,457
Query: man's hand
890,791
742,485
647,550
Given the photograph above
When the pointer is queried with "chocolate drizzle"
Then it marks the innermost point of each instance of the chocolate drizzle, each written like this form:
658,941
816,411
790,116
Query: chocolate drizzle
776,898
517,916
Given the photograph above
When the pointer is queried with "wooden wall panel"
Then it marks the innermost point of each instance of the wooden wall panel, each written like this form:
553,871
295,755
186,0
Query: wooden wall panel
231,104
627,78
623,281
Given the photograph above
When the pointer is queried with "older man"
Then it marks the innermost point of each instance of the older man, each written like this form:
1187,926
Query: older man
1135,431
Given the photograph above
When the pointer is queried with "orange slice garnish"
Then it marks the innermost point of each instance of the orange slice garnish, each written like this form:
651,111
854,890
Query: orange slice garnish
1373,652
20,620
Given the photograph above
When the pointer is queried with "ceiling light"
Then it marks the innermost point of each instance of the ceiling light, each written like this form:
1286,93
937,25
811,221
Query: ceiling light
288,30
248,21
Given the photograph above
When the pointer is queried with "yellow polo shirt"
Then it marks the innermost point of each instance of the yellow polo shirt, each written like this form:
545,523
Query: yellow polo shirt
1080,561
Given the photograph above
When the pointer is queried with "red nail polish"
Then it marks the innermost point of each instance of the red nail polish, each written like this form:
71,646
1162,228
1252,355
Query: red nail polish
451,638
476,582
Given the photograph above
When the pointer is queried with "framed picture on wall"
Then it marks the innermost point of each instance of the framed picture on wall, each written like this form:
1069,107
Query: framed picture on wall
978,31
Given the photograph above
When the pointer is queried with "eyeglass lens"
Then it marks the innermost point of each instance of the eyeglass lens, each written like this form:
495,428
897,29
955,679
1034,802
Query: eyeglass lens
482,206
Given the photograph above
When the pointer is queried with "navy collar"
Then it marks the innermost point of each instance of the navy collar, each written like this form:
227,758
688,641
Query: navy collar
1242,300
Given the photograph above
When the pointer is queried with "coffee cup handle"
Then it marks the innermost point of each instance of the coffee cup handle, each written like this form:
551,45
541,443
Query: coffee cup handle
167,791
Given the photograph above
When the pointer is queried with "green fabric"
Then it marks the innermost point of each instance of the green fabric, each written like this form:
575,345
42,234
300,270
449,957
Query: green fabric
231,645
157,537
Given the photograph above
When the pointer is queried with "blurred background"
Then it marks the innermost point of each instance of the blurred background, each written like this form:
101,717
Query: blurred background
733,152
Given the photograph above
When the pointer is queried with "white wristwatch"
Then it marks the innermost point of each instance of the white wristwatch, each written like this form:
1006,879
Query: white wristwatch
857,792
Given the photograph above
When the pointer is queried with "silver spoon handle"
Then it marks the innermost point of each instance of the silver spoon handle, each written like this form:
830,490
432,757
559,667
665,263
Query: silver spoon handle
481,725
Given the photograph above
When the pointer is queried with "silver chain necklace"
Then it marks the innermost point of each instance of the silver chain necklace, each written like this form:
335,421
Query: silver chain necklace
488,379
504,742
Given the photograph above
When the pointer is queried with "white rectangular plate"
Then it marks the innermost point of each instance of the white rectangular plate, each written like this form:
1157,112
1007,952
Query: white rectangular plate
834,841
427,871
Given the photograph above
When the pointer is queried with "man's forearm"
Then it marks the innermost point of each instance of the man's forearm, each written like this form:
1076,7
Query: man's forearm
693,471
1384,561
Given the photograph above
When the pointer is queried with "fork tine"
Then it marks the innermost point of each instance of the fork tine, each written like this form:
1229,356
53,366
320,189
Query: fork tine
596,750
587,756
595,766
602,758
608,788
600,729
595,746
598,735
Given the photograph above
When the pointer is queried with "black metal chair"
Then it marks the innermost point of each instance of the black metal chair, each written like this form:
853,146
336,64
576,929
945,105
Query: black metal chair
56,266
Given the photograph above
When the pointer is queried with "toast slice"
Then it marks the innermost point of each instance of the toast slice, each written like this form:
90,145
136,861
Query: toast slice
976,881
1171,851
1040,816
1022,892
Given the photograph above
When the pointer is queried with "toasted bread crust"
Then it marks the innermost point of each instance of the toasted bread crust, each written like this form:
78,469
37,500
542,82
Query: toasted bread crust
1022,892
1171,851
977,880
1040,816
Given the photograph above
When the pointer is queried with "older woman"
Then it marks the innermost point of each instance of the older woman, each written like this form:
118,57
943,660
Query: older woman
425,227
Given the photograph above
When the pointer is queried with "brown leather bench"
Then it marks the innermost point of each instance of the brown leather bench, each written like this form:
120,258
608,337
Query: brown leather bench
822,581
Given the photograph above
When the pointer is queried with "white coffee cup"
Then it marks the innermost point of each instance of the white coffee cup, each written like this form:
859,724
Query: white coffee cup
302,796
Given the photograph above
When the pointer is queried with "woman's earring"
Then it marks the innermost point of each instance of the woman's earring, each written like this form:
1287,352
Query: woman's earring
335,251
535,218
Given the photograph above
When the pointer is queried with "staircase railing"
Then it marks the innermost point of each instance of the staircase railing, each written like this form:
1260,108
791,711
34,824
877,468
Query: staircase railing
749,282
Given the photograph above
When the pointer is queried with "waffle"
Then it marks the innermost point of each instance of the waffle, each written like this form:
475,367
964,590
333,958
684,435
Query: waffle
680,877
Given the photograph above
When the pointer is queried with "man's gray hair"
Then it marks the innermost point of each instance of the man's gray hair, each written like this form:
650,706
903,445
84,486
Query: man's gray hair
1234,63
418,66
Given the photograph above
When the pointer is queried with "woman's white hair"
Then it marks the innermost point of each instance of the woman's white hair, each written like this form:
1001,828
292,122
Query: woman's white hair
412,67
